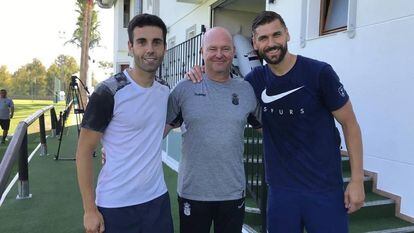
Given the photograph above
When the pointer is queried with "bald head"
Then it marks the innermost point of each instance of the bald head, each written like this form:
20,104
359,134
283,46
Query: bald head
215,32
218,52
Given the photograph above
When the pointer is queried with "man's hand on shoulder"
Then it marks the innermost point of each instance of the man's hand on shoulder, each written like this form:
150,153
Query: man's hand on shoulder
195,74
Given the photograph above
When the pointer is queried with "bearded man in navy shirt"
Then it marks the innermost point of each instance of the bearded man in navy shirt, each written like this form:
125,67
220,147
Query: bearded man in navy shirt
300,99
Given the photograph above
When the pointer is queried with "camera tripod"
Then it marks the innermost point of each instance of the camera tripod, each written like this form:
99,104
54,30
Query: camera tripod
78,109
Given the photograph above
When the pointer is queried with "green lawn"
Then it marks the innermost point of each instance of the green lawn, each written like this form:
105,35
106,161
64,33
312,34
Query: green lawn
23,109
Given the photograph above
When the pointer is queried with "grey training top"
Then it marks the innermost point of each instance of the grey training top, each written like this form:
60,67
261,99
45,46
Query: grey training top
214,115
5,105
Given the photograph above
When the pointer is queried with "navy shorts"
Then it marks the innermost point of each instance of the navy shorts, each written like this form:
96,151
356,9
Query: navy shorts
317,212
150,217
198,216
5,124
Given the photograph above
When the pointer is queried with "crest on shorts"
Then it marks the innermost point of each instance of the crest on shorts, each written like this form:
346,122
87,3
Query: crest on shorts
187,209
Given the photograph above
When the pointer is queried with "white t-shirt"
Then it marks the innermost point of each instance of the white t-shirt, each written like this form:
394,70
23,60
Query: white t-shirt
132,120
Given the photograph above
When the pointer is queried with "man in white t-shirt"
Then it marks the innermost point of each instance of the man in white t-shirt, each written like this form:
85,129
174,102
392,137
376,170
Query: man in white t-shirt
127,113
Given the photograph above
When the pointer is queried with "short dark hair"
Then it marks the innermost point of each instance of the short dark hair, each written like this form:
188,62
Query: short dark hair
4,90
143,20
266,17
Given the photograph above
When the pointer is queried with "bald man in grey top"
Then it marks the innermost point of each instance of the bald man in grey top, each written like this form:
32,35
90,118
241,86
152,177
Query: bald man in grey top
211,179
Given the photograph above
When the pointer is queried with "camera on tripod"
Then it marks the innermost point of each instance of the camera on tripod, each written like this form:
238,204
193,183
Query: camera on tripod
76,96
73,82
78,109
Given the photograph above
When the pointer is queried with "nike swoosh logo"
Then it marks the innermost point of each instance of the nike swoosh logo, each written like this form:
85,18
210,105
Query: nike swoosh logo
240,206
267,99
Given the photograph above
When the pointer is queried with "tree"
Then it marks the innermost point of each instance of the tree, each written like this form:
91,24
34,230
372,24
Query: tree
86,35
62,69
94,34
5,78
30,79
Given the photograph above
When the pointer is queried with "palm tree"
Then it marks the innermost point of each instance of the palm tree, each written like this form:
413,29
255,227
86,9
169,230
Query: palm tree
86,36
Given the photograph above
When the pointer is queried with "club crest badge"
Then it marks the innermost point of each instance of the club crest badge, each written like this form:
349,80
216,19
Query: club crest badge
187,209
235,99
341,91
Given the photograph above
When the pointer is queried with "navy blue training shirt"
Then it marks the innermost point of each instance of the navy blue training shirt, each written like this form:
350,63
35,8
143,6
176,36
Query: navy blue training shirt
300,138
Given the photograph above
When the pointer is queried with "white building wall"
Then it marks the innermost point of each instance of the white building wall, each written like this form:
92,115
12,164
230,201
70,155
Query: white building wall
237,22
180,16
376,68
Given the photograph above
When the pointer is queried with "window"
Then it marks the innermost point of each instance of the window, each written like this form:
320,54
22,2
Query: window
171,42
126,13
153,7
334,16
190,32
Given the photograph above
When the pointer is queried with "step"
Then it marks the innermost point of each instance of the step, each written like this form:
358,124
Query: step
252,210
373,199
248,229
368,183
347,177
396,230
254,221
374,210
380,225
368,225
346,180
345,163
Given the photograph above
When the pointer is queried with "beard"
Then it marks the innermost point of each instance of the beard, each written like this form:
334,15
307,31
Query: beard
274,60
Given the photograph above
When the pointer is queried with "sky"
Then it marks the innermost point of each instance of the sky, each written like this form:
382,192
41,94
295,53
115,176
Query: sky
38,29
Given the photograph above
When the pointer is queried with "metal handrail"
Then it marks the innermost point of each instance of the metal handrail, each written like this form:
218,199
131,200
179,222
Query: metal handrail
10,156
32,118
181,58
18,149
